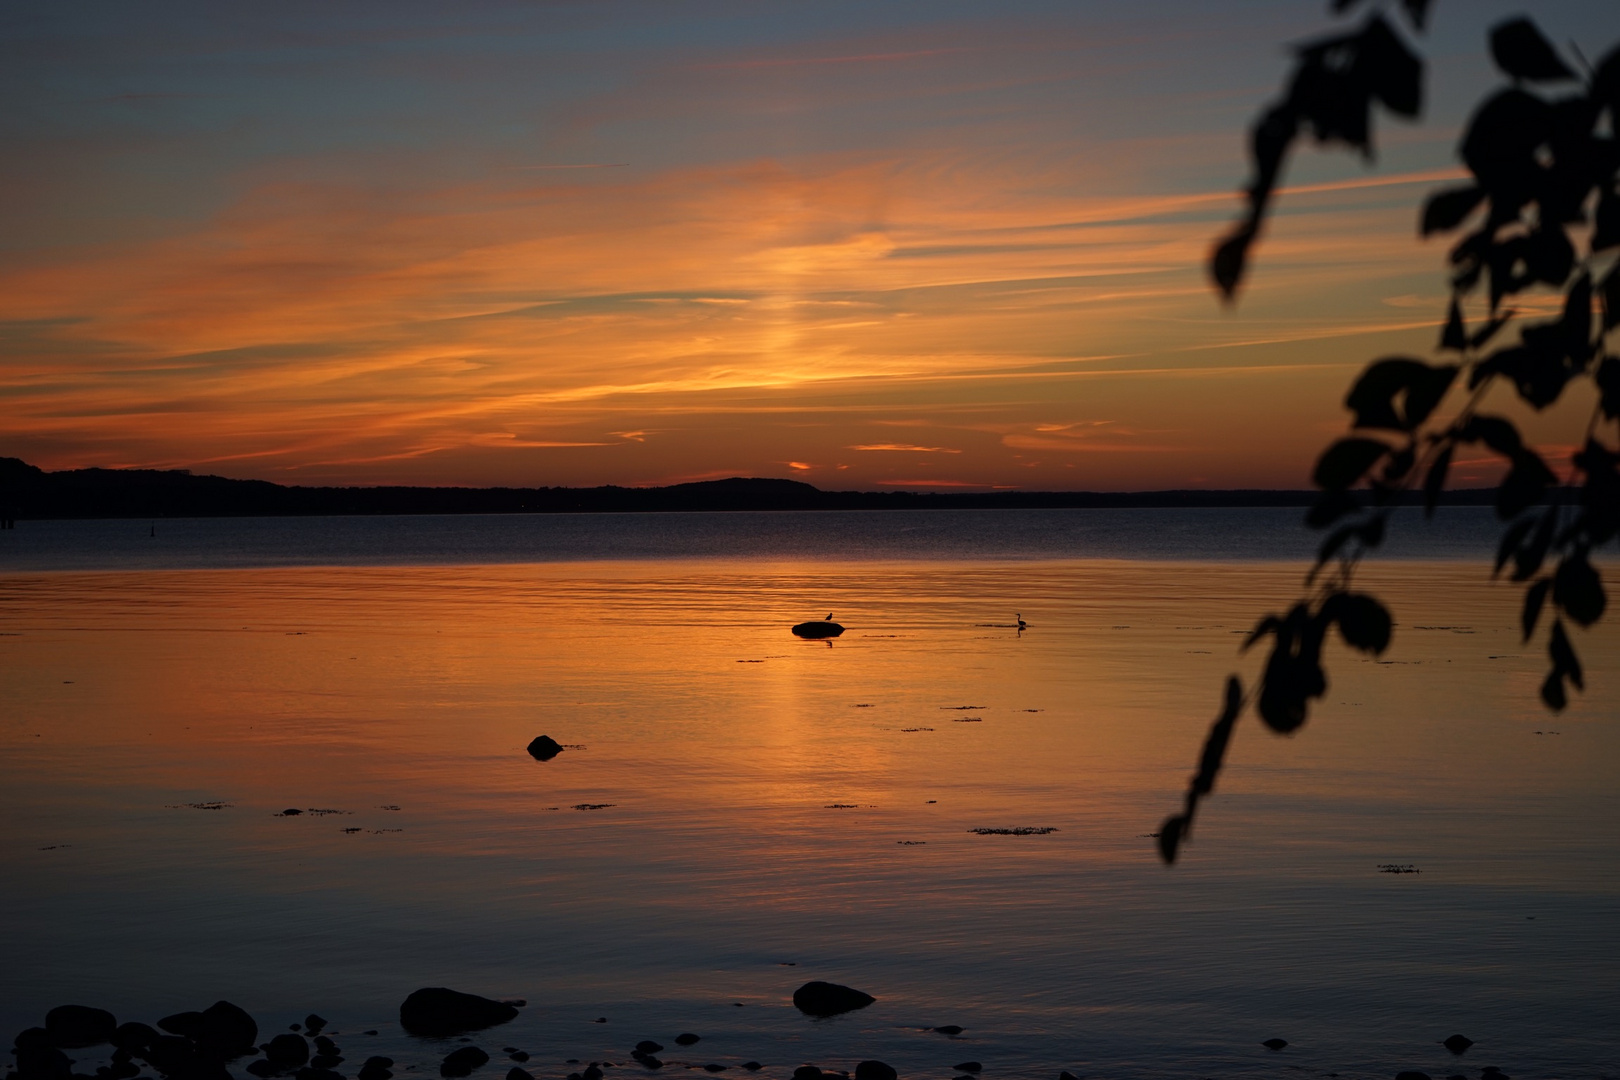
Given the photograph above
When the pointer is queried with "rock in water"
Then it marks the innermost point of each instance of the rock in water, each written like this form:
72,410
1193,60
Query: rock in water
817,629
829,999
1456,1043
515,1073
950,1029
436,1011
287,1051
874,1070
544,748
686,1038
1067,1075
969,1067
462,1062
134,1036
227,1030
807,1072
74,1026
376,1068
1411,1075
1274,1044
647,1046
313,1023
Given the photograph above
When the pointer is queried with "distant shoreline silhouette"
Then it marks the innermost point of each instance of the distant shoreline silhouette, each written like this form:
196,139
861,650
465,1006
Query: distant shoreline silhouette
27,492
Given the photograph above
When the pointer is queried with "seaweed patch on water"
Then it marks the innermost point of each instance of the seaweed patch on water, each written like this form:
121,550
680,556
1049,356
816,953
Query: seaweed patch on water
318,812
931,729
390,806
199,806
842,806
964,708
911,843
593,805
967,719
1398,868
1022,830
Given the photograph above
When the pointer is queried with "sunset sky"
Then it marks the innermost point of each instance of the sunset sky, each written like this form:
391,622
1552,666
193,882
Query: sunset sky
906,243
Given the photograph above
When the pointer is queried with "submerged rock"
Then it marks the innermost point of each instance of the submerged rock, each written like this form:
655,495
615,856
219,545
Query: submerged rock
647,1046
544,748
1411,1075
1457,1043
819,998
462,1062
313,1023
950,1029
435,1010
75,1026
515,1073
807,1072
968,1067
686,1038
874,1070
1274,1044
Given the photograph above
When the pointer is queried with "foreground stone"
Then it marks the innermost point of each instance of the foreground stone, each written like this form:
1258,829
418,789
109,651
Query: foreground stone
74,1026
435,1010
829,999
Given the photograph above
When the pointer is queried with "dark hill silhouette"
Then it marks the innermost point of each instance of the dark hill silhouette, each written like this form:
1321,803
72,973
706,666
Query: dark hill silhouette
29,492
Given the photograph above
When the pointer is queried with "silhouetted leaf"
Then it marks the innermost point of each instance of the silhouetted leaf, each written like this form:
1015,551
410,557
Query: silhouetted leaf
1293,673
1606,225
1533,552
1363,621
1549,255
1495,432
1399,464
1347,461
1484,334
1524,485
1398,393
1500,146
1578,589
1446,210
1519,50
1611,299
1552,691
1434,482
1268,625
1333,100
1512,537
1226,264
1342,6
1388,68
1170,837
1563,655
1608,381
1417,11
1575,327
1220,734
1176,829
1455,334
1534,598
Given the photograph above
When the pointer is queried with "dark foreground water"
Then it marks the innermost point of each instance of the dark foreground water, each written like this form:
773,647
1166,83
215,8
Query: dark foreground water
739,811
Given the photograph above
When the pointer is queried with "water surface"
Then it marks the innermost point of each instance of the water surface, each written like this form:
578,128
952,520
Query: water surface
762,802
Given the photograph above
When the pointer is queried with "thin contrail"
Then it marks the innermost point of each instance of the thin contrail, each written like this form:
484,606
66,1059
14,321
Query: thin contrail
612,165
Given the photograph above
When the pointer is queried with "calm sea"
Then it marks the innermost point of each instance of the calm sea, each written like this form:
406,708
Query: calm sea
738,811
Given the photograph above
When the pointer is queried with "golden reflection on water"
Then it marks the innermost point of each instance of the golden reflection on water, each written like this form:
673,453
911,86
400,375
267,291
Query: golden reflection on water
748,785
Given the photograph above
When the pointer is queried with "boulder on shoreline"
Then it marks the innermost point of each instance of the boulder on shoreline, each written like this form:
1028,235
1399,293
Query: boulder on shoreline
462,1062
435,1010
819,998
72,1027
